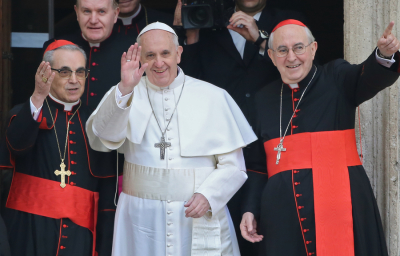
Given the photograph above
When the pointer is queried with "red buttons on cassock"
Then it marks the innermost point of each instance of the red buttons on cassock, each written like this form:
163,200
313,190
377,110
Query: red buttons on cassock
73,162
311,253
70,122
308,242
71,132
72,142
73,173
294,115
72,184
62,247
303,219
294,126
95,50
297,110
94,64
65,226
72,152
300,207
296,171
69,113
296,90
64,236
306,230
295,99
297,183
93,94
93,79
298,195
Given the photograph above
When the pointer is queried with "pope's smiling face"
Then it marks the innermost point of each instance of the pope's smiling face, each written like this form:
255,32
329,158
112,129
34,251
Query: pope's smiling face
68,89
96,19
162,55
293,68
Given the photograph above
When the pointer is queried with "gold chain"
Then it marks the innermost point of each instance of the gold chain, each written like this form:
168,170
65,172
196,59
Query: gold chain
55,131
145,13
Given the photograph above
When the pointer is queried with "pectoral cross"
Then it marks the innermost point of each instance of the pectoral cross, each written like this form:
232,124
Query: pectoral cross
162,145
62,173
279,148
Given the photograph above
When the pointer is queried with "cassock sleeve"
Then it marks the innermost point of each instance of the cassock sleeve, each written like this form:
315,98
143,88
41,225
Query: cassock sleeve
22,130
106,214
225,180
362,82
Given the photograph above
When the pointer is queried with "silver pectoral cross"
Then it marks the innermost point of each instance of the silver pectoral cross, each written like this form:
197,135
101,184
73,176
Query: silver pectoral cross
162,145
279,148
62,173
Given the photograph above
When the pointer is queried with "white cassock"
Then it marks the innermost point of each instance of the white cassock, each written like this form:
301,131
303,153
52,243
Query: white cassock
207,133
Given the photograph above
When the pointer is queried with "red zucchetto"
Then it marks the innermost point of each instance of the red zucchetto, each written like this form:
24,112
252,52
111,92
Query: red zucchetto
288,22
56,44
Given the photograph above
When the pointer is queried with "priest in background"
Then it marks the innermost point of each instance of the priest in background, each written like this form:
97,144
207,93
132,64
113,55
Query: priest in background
183,141
61,197
309,194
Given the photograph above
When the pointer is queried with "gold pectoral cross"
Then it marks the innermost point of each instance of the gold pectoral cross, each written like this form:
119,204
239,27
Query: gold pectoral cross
62,173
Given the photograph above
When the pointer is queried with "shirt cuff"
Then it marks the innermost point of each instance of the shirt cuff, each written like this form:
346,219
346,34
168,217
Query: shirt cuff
122,101
384,62
34,111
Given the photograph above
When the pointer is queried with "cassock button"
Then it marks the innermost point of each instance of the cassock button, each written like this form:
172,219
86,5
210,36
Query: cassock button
300,207
95,50
169,245
295,99
308,242
170,158
169,223
311,253
95,64
170,148
303,219
297,183
168,129
72,184
62,247
65,226
298,195
70,122
169,138
296,90
93,79
93,94
64,236
248,95
297,110
72,152
73,173
73,162
168,201
296,171
169,212
306,230
166,99
166,109
294,126
169,234
69,113
72,142
71,132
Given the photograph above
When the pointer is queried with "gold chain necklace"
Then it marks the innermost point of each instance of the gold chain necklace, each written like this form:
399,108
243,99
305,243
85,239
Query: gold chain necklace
62,165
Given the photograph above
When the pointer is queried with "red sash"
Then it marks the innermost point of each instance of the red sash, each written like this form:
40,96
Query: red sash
328,154
46,198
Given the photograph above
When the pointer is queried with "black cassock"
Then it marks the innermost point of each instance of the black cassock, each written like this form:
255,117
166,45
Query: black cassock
34,152
104,61
329,104
215,59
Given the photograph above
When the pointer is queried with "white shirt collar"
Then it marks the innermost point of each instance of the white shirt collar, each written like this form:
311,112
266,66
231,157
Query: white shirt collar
128,20
178,81
91,44
67,106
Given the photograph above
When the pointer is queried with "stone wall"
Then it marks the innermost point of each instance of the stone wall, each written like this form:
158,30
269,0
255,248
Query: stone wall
364,23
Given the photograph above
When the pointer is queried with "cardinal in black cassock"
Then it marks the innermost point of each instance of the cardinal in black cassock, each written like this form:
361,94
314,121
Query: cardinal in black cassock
308,193
61,200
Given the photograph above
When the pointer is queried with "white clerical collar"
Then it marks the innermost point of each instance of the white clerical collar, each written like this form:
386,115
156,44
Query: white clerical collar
294,86
178,81
91,44
67,106
128,20
256,16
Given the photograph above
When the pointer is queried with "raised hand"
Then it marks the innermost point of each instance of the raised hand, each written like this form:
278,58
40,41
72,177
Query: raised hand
388,43
248,228
130,71
43,79
198,205
178,14
245,25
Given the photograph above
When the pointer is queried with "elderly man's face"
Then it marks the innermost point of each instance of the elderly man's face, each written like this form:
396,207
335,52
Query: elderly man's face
68,89
96,19
250,5
160,52
126,7
293,68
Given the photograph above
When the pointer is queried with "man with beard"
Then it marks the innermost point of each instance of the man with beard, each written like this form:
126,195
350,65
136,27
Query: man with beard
309,193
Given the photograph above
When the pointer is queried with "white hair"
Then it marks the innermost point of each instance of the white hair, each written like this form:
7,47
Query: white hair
174,39
308,32
48,56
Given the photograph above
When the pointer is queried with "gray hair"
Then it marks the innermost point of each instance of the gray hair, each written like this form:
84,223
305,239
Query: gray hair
174,39
308,32
114,4
48,56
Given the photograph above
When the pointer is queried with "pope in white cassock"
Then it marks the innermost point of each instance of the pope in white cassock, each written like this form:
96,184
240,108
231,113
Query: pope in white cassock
182,139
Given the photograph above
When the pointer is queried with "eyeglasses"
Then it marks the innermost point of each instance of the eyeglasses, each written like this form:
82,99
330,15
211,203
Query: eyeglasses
298,49
66,73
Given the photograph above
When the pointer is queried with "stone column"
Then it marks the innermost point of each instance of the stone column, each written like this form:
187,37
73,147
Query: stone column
364,23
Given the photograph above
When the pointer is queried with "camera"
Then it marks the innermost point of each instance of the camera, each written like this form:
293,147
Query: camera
204,14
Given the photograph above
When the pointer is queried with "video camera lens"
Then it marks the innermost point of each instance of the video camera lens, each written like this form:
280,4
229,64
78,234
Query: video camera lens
199,16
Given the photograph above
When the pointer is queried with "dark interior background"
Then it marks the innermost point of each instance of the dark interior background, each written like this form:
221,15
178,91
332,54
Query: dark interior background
325,19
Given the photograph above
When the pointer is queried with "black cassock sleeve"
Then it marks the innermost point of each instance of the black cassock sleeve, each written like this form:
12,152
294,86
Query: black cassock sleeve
363,81
22,131
106,214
